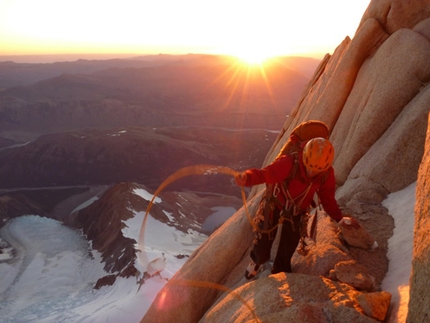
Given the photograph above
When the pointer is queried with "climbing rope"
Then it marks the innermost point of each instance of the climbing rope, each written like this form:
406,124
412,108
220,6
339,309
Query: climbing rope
199,170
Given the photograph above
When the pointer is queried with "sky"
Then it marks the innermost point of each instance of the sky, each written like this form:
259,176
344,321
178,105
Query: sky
234,27
51,278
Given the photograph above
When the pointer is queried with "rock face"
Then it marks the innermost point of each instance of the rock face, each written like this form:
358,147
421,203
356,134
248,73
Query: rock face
419,302
373,93
295,298
381,116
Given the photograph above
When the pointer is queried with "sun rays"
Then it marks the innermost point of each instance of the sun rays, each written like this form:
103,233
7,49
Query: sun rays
244,84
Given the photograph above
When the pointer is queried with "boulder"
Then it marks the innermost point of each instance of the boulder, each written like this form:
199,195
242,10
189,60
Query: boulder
354,274
357,237
319,261
375,304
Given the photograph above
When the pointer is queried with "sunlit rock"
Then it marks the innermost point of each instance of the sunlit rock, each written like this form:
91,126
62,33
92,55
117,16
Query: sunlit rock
290,297
419,302
357,237
354,274
375,305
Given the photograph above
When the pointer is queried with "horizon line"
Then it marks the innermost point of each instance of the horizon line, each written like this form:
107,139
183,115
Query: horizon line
52,58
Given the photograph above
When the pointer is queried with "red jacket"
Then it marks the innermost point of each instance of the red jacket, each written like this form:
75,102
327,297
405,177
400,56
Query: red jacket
279,170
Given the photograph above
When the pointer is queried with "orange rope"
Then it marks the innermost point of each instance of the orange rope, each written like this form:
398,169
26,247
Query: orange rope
183,172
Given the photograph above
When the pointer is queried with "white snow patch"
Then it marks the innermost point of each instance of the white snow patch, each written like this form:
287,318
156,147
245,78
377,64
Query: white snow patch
51,279
169,216
400,206
85,204
146,195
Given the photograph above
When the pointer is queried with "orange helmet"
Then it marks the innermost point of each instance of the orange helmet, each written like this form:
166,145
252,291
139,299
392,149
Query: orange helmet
318,154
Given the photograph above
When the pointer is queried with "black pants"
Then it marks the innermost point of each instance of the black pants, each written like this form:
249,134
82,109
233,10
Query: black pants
290,236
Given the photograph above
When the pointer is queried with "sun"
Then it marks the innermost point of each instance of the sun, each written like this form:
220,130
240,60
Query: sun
253,58
254,55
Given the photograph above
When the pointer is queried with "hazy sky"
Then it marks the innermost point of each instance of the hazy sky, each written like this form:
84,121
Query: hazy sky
267,27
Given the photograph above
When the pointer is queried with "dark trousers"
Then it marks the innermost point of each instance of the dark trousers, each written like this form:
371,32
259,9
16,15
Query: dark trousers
290,236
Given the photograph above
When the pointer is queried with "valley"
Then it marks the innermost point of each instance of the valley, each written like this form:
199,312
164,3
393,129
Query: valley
69,128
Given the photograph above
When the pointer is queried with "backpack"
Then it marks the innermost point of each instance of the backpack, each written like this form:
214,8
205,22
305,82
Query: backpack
303,133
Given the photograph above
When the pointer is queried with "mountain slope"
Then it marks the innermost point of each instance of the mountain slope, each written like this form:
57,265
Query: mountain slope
24,74
144,155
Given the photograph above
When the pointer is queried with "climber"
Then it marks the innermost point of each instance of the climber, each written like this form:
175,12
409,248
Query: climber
292,193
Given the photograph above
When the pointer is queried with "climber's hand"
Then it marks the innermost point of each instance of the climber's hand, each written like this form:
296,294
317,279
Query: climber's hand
240,179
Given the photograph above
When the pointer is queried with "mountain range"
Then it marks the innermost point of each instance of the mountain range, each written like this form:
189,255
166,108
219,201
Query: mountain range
189,91
69,126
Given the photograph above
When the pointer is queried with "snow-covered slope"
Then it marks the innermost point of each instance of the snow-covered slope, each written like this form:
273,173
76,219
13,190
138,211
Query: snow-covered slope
52,275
